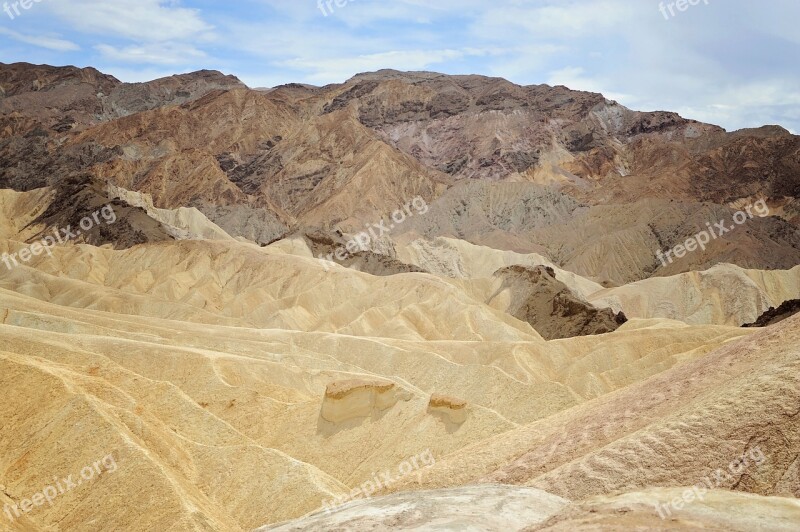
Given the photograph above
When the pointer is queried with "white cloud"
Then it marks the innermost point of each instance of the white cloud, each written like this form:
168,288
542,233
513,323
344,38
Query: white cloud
42,41
567,20
523,62
751,105
157,54
141,20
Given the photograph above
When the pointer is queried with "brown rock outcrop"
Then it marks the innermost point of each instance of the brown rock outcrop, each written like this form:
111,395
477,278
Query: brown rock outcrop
451,408
355,398
776,315
551,308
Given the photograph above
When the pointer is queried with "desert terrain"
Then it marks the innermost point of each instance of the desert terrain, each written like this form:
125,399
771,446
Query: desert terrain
406,301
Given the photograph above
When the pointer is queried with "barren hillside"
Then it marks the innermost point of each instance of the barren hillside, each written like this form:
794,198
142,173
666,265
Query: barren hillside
406,301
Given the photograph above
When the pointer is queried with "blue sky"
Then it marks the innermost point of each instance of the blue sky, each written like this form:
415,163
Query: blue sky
735,63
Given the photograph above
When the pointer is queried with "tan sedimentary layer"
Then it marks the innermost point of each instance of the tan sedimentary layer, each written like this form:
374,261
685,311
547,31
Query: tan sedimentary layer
141,342
356,398
339,389
446,401
182,223
673,429
725,294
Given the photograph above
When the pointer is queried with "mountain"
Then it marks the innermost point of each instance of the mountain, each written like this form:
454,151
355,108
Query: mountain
264,164
411,299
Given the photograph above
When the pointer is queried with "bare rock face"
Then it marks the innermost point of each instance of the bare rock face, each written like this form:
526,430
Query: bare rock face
265,163
598,150
130,98
176,342
450,408
502,508
354,399
776,315
48,100
493,508
609,243
259,225
551,308
70,98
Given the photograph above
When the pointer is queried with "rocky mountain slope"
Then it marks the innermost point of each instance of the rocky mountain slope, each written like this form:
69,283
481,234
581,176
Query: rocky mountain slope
262,164
439,293
551,307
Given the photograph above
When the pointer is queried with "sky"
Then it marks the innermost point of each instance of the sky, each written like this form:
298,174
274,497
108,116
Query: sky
735,63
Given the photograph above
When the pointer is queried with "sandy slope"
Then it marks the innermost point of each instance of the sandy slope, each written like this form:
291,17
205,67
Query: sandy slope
502,508
134,351
234,386
450,257
718,510
672,429
244,285
19,210
725,294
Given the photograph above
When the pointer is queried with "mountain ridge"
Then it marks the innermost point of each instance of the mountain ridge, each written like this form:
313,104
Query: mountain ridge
266,164
303,296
